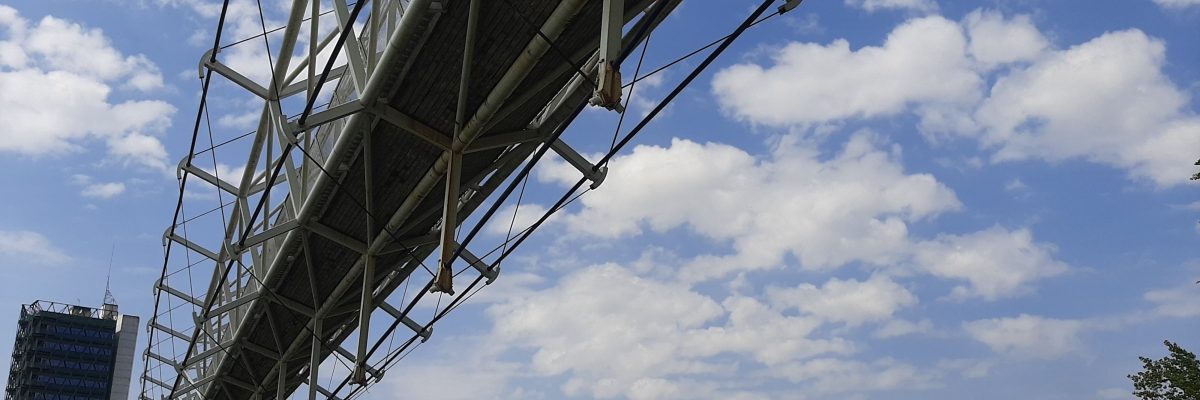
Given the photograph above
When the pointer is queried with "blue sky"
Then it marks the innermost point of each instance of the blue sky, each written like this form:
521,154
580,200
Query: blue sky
861,199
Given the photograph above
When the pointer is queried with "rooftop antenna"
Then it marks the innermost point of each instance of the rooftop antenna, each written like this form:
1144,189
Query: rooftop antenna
108,297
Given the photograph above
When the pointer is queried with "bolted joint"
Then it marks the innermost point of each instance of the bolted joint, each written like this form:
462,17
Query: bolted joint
444,281
608,88
597,177
491,274
208,57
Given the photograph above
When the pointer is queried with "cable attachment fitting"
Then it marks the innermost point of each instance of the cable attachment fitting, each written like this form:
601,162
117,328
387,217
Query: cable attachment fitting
608,88
789,6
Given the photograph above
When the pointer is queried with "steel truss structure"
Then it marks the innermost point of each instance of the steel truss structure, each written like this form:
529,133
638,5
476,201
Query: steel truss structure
437,103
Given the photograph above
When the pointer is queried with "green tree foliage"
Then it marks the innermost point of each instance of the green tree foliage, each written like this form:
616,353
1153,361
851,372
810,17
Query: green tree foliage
1174,377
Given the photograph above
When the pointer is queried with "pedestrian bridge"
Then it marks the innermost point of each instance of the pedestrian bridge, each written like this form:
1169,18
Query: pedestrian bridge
361,167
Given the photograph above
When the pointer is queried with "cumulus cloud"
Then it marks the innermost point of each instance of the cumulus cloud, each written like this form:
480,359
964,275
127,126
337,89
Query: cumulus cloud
141,149
849,301
1106,100
595,301
1028,336
827,213
662,331
921,61
995,40
30,247
59,79
995,262
852,207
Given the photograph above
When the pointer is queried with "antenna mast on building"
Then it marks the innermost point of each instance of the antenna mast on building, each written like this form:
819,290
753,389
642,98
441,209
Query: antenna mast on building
108,297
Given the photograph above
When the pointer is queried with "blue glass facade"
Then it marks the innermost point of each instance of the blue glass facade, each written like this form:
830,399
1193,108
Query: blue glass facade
62,353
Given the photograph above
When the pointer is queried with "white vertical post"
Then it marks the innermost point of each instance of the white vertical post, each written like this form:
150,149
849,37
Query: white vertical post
314,361
368,280
608,86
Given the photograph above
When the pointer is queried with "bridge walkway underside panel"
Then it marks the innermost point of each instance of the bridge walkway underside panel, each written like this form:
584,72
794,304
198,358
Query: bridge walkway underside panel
424,87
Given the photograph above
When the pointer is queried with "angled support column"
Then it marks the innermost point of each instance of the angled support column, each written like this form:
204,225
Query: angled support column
162,286
211,255
479,265
208,61
592,172
355,360
207,177
421,331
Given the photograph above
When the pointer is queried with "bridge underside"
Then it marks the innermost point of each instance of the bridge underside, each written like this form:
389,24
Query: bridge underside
428,94
363,200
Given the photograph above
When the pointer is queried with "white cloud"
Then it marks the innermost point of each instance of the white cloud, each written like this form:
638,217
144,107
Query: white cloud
873,5
57,77
1027,335
30,247
852,207
1177,4
587,321
662,331
849,301
1179,302
65,46
995,262
995,40
103,190
899,327
1106,101
771,338
826,213
140,149
922,61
